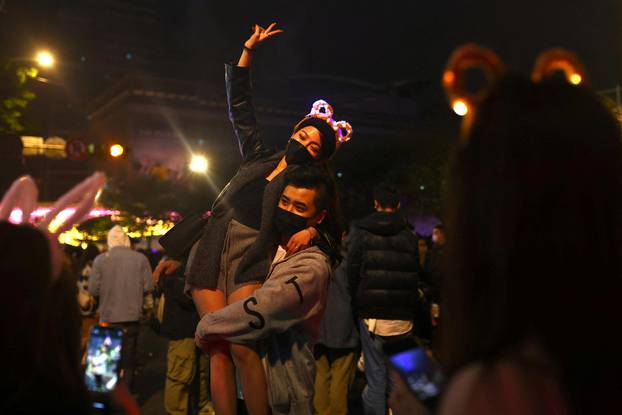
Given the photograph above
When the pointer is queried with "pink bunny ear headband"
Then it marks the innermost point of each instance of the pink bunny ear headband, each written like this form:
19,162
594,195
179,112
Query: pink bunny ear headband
23,195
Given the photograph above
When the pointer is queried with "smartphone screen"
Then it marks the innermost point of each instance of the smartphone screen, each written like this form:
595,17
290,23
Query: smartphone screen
421,374
103,358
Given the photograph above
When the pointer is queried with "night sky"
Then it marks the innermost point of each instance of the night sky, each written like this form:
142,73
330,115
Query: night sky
378,42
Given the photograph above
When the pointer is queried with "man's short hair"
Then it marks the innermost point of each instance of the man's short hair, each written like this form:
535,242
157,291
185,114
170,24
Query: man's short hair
386,195
317,179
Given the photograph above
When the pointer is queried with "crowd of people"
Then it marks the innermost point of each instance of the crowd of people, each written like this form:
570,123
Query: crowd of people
271,299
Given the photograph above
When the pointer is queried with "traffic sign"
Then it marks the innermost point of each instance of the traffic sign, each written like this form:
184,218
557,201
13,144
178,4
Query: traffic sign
77,150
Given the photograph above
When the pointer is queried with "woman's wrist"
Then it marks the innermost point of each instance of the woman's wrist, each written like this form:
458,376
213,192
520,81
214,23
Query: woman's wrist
250,45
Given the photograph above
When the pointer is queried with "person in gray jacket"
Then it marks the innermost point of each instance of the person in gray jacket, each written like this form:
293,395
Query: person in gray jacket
284,314
121,277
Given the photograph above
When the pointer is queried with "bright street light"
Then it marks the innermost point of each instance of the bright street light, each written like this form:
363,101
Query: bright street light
44,59
198,164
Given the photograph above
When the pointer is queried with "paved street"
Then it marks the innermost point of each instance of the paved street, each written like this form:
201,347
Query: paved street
152,372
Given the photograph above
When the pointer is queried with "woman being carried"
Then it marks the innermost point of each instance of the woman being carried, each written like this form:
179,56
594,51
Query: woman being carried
233,256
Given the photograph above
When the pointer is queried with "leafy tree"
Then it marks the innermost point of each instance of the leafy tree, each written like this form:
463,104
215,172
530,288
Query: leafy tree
151,196
15,96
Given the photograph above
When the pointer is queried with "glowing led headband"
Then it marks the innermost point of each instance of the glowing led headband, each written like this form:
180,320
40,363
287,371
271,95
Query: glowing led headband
472,56
322,109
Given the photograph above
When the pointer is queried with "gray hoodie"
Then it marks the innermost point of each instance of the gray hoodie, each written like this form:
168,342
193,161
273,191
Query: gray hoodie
285,314
120,277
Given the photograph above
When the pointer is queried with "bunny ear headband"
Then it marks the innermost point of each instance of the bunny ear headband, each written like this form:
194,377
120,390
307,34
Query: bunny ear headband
471,56
23,195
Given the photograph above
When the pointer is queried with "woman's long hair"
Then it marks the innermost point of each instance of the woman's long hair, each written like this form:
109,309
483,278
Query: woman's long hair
40,326
535,212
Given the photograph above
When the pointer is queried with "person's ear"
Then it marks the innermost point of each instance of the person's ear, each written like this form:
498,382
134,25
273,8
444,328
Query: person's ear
320,217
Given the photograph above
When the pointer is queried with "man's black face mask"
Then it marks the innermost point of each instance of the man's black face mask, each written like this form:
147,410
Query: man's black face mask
288,223
296,153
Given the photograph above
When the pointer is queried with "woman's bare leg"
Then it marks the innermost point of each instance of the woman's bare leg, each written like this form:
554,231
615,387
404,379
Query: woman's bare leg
248,363
222,372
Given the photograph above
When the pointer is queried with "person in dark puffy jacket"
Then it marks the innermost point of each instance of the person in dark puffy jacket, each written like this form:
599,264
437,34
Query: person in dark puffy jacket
382,269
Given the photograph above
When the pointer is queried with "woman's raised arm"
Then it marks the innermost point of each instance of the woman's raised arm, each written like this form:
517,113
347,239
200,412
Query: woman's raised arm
259,36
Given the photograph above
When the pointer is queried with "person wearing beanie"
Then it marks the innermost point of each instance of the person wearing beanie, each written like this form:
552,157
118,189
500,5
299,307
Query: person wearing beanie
120,278
234,248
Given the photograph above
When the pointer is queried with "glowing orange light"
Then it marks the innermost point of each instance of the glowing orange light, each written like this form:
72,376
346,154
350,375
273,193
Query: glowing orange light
116,150
449,77
575,79
460,107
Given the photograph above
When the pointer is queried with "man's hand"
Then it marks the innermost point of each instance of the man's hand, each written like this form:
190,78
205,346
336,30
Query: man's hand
402,400
300,241
167,267
435,313
260,35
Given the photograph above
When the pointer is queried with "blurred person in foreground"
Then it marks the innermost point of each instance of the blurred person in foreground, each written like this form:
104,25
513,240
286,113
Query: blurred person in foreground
40,322
40,329
120,278
534,262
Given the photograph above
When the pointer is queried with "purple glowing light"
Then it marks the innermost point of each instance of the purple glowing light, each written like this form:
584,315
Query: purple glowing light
38,213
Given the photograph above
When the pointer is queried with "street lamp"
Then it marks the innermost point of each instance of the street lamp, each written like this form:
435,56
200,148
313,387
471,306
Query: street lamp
44,59
198,164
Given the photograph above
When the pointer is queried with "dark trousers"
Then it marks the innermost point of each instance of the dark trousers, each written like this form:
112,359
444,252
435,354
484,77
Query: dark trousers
128,355
379,383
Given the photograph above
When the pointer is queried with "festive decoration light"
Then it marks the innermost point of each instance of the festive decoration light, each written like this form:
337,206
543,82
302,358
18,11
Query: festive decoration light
16,214
322,109
75,237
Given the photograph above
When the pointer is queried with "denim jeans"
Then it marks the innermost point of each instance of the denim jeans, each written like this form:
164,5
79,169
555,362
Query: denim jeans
378,383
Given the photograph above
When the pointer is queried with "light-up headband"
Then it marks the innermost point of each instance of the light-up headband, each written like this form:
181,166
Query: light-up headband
322,109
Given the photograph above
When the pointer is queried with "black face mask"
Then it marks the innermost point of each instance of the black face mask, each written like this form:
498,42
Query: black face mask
296,153
288,223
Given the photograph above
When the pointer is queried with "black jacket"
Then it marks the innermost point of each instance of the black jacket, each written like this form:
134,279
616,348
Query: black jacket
382,267
434,277
338,329
180,317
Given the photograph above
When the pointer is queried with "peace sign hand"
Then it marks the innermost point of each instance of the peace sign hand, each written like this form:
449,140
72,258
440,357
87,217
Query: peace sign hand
260,35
